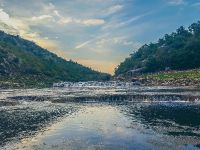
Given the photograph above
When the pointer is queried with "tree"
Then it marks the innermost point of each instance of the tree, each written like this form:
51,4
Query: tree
178,50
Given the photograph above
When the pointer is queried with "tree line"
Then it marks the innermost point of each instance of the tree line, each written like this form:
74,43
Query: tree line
179,50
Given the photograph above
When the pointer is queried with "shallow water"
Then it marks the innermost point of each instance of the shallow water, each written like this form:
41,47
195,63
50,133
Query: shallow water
38,119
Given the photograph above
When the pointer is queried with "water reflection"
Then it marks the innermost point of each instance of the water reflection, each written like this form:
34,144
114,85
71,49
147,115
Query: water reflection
177,121
124,126
96,126
182,116
143,118
25,120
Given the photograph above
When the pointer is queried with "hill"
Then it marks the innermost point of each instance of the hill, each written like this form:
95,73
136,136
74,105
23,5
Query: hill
23,63
179,50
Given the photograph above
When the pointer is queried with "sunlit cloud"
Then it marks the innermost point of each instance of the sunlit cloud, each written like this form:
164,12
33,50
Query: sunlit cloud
42,18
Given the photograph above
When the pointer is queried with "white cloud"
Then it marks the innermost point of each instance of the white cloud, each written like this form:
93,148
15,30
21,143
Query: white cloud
4,17
105,42
57,14
113,9
176,2
83,44
62,19
119,23
65,21
88,22
93,22
6,23
49,7
90,41
120,40
129,21
41,18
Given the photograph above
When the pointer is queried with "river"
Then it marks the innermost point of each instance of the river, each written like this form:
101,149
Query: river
92,117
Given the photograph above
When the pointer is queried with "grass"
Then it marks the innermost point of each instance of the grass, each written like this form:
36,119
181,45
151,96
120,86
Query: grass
190,74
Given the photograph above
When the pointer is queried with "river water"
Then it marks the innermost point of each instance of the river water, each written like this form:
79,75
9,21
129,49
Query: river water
76,118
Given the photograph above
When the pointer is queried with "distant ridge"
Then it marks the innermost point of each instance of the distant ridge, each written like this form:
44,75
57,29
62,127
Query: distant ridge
23,63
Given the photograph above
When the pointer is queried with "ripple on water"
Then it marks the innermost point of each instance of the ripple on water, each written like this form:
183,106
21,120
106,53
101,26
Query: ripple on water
130,123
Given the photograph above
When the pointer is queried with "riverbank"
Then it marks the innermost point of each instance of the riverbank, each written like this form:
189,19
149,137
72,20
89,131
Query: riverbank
190,78
169,78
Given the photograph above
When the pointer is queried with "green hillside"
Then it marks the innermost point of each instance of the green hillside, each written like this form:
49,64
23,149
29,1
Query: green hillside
178,51
23,63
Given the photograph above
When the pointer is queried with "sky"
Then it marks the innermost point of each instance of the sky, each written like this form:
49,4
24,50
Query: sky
97,33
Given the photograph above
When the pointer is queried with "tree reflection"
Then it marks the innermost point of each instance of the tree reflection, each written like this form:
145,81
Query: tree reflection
170,118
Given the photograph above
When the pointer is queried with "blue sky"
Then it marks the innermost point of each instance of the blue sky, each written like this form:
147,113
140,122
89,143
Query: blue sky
97,33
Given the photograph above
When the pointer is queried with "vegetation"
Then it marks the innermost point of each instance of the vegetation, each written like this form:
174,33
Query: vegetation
171,78
23,63
190,74
177,51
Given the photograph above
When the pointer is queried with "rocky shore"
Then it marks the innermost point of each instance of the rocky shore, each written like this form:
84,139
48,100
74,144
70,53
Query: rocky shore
165,78
170,82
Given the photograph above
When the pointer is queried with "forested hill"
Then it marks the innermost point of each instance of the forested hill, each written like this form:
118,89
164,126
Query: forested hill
22,61
178,51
